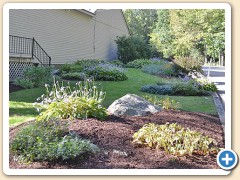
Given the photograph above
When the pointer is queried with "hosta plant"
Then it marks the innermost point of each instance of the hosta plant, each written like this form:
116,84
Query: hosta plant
81,101
174,139
106,72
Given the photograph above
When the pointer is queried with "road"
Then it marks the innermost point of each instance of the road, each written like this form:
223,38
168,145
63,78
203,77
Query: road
217,75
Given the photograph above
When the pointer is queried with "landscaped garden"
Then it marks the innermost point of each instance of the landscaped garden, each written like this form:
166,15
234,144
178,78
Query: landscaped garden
72,127
151,109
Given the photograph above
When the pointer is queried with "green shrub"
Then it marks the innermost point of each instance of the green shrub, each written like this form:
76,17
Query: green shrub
86,63
165,103
106,72
81,102
174,139
159,68
188,64
117,63
139,63
207,85
74,76
34,77
70,68
46,141
25,83
131,48
190,88
156,89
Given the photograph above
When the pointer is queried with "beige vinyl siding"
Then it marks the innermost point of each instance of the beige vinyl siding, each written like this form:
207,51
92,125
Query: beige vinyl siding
68,35
109,25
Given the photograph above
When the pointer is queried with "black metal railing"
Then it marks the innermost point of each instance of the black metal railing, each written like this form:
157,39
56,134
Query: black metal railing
28,47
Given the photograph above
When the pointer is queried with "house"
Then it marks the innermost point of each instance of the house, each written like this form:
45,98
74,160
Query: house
59,36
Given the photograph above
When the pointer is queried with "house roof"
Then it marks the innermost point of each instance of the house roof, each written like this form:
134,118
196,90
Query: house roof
90,12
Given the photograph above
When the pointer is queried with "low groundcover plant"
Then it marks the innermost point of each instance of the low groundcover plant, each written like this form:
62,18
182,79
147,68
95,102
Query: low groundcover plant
174,139
48,141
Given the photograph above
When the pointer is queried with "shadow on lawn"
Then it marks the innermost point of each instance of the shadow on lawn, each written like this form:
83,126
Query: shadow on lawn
23,111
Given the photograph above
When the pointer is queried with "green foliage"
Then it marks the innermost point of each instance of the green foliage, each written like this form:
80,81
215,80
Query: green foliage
156,89
131,48
25,83
160,68
138,63
86,63
74,76
79,65
46,141
106,72
188,64
93,68
117,63
190,88
34,77
174,139
166,103
82,101
141,22
207,85
190,32
162,37
70,68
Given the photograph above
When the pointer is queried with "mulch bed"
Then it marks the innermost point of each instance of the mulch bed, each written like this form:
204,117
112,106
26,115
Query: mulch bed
13,87
114,137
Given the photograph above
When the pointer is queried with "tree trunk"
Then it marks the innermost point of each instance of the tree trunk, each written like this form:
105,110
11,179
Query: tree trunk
219,59
209,67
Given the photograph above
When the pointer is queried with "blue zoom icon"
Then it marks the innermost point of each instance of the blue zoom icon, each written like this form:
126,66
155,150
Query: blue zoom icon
227,159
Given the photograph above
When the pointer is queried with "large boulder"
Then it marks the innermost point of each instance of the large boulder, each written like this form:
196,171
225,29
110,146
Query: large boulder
132,105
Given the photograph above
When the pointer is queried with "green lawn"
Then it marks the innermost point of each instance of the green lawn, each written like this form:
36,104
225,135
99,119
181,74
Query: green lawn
21,102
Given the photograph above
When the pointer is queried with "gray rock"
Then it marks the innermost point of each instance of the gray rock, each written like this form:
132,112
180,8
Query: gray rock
132,105
196,74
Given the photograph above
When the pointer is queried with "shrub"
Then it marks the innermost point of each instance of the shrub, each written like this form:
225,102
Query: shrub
159,68
139,63
131,48
74,76
189,88
117,63
25,83
70,68
46,141
82,101
174,139
156,89
86,63
188,64
206,85
34,77
165,103
106,72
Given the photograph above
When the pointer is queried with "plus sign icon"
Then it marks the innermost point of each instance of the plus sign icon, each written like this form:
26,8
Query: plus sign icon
227,159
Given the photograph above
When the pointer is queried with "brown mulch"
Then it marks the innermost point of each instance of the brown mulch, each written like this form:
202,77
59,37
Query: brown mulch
13,87
114,135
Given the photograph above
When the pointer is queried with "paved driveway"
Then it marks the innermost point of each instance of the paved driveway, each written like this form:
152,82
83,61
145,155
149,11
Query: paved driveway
217,75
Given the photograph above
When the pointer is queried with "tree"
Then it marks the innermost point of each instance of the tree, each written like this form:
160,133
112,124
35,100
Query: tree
141,22
162,38
194,32
131,48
